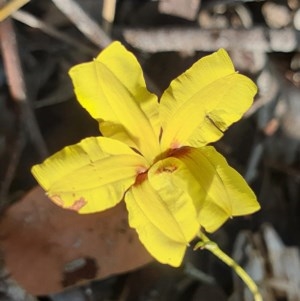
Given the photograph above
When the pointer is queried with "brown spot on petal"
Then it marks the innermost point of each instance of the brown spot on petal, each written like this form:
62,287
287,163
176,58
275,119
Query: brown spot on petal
179,152
78,204
141,177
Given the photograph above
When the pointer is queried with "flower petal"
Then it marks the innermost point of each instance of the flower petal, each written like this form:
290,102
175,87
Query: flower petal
153,224
112,89
226,192
90,176
201,103
170,178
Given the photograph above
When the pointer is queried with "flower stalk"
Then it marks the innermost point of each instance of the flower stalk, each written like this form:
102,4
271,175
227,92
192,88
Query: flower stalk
211,246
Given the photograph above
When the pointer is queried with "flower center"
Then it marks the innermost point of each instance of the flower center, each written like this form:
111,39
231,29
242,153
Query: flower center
142,173
167,168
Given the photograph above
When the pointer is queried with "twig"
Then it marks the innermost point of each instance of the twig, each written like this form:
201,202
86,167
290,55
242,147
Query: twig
16,83
258,39
91,29
195,273
83,22
10,8
14,160
187,9
255,159
34,22
62,93
108,14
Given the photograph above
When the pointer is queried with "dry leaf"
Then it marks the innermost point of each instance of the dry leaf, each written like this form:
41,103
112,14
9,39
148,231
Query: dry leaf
47,248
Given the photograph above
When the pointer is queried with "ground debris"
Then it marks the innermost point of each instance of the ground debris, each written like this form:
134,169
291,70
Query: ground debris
54,35
186,9
274,266
9,289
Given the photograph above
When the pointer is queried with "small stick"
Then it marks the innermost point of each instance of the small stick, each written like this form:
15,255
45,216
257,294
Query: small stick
83,22
108,14
16,84
34,22
10,8
13,163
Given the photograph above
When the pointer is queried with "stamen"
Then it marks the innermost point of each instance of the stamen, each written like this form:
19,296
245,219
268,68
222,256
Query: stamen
168,168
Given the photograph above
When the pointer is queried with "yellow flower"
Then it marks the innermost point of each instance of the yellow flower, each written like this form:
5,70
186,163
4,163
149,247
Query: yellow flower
154,155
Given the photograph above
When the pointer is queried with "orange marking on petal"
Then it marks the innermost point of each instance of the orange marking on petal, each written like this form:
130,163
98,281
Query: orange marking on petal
175,145
57,200
78,204
141,177
141,169
179,152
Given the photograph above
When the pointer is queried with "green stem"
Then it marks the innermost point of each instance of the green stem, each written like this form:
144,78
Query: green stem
211,246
